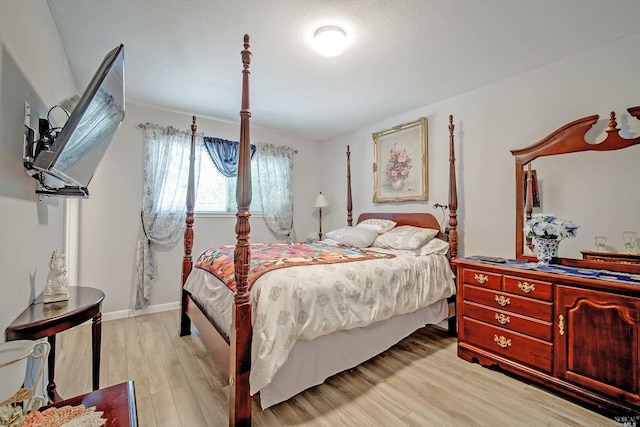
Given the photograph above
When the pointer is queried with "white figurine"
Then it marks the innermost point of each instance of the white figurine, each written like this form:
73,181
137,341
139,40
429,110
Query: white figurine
57,288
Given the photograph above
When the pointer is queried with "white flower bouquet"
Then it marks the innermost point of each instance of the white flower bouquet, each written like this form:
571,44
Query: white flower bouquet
547,226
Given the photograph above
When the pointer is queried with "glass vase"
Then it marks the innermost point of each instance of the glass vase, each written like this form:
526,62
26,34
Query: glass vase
547,249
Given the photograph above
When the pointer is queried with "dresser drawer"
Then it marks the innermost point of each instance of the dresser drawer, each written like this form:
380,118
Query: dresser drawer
515,346
482,278
508,320
527,287
505,301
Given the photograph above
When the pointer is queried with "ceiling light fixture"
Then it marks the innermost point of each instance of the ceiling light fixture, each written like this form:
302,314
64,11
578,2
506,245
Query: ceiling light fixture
329,40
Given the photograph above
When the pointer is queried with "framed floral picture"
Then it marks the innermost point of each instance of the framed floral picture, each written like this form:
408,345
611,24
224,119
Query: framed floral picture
400,163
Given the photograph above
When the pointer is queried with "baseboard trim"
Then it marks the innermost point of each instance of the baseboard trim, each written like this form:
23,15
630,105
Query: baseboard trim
122,314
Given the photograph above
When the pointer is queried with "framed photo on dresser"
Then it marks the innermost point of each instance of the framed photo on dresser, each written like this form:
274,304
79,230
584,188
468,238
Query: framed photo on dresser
400,163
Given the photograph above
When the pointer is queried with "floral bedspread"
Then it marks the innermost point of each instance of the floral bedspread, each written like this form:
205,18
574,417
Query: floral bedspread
270,256
305,302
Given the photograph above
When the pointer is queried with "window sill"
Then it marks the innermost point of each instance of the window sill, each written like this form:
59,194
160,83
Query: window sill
222,215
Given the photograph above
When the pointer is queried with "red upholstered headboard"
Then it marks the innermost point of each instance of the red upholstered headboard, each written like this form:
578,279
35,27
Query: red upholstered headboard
420,219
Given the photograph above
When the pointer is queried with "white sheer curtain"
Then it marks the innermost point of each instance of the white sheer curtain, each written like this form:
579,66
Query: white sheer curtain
164,192
275,173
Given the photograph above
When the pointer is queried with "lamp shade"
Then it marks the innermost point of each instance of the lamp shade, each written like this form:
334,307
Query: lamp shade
321,201
329,40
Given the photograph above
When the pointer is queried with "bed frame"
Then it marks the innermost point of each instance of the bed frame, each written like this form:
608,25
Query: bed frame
234,352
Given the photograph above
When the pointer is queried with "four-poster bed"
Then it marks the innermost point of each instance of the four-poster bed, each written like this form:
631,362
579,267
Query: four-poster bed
224,318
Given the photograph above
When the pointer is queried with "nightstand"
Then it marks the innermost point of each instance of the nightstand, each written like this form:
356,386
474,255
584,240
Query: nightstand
41,320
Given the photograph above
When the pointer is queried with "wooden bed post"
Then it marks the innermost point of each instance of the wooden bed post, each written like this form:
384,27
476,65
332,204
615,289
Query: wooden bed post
452,323
453,194
349,198
528,207
187,262
239,397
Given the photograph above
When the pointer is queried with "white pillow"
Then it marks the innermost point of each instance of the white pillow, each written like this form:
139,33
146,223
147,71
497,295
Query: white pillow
337,233
358,237
433,246
380,225
405,237
373,227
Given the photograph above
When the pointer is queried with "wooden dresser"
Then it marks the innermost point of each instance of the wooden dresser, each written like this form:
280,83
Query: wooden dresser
577,336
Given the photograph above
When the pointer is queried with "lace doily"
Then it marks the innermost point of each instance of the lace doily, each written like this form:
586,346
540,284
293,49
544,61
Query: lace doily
66,416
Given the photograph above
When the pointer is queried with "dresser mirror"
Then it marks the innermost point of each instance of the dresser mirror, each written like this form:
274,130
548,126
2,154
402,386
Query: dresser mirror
587,171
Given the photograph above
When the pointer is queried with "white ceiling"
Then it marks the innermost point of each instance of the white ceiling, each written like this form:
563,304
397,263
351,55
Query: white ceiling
184,55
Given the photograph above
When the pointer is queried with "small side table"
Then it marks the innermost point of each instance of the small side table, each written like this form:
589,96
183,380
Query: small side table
41,320
118,404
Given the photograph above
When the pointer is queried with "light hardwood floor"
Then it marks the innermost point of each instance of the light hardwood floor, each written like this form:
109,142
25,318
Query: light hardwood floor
419,382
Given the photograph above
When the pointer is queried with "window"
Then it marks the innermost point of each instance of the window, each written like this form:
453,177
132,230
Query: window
166,172
216,193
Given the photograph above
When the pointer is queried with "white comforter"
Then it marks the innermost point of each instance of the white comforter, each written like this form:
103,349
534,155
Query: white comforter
305,302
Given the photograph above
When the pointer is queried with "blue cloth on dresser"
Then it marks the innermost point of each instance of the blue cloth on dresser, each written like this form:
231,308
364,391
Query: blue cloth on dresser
588,273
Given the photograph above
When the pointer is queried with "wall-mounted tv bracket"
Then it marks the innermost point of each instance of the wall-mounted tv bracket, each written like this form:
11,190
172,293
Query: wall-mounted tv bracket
29,139
36,141
33,145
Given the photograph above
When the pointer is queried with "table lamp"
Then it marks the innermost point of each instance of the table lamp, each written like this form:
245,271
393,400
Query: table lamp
321,202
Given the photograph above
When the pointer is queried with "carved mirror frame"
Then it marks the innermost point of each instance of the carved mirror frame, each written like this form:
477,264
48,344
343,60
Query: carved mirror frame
570,138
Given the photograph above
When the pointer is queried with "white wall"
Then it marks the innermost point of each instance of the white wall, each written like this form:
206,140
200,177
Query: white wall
33,67
490,121
110,218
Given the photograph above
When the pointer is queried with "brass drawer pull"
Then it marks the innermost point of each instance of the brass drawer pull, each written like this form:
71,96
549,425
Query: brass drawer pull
502,300
502,319
526,287
502,341
481,278
561,324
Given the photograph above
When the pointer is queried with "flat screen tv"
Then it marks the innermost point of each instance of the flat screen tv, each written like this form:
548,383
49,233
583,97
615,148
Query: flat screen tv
72,155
